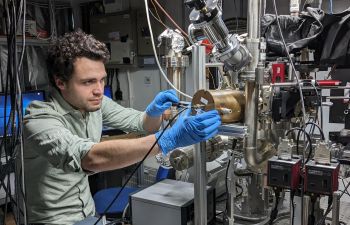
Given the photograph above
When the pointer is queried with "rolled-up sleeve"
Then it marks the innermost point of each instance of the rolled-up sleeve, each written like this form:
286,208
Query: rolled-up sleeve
116,116
49,138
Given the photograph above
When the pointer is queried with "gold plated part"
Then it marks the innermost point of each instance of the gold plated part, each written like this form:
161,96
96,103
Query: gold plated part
229,103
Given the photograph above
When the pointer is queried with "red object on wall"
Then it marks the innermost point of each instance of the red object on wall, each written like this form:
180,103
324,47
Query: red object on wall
278,73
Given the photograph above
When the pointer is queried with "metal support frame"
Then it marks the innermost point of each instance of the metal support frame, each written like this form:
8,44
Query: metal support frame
305,209
252,88
200,180
336,207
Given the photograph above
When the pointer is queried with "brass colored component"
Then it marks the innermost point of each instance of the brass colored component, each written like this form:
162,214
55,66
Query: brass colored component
183,158
229,103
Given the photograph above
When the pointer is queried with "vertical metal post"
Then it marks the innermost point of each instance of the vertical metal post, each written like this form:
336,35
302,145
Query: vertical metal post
231,181
198,67
200,180
305,210
200,185
141,176
335,208
251,86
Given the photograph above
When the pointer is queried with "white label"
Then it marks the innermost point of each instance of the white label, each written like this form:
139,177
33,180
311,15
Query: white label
204,101
346,93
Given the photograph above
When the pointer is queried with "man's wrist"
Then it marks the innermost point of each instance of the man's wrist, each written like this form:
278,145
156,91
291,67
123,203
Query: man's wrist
165,143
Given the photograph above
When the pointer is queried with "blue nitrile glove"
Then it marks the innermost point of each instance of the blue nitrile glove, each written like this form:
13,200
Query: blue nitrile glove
189,130
161,102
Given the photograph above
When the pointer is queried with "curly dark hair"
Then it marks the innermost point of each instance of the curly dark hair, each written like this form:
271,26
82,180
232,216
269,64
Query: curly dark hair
64,50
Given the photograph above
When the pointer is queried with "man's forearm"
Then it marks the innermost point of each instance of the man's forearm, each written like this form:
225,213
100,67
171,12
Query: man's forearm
115,154
151,124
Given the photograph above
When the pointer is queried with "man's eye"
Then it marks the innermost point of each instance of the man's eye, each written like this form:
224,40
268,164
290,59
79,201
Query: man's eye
87,82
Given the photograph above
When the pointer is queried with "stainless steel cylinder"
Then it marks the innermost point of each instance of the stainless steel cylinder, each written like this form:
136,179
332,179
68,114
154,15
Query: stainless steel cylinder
176,70
254,15
229,103
305,209
336,207
217,32
251,154
183,158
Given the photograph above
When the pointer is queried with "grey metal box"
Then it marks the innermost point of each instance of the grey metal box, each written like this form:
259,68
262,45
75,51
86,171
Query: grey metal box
168,202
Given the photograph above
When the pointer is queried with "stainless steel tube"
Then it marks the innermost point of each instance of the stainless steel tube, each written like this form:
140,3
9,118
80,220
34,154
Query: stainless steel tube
305,209
253,40
252,87
200,185
251,111
254,14
200,181
336,207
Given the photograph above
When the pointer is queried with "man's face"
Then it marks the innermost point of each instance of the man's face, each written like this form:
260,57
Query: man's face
84,91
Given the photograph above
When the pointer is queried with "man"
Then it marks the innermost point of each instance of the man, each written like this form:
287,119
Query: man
62,135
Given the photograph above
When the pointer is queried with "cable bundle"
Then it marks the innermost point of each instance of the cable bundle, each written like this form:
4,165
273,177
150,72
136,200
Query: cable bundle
11,144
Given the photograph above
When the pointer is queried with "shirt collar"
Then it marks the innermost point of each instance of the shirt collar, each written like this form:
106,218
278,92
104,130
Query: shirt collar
62,106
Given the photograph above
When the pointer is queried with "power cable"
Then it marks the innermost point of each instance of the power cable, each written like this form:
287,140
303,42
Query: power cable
274,211
319,128
12,141
158,19
329,208
170,18
291,62
308,138
234,144
294,72
155,53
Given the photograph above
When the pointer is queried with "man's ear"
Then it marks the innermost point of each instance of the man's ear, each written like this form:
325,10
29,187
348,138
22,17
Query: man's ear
60,83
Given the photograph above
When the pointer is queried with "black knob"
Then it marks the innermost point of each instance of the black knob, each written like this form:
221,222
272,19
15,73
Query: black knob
198,4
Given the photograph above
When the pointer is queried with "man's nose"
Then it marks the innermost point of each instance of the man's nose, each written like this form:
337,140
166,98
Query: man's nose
98,89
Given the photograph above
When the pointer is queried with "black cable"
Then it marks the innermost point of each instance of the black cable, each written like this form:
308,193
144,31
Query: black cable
292,194
234,144
219,213
319,97
298,81
319,128
290,60
311,219
240,187
15,17
345,190
329,208
9,57
137,167
308,138
274,212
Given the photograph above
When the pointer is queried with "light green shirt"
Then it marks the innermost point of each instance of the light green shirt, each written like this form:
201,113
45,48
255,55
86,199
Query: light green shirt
57,137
